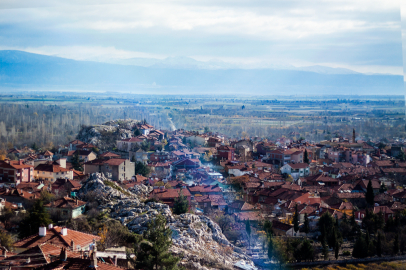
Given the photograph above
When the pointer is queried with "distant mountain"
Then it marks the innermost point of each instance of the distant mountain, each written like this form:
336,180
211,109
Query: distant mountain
183,75
180,62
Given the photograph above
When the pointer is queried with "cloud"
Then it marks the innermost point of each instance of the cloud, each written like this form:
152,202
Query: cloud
342,32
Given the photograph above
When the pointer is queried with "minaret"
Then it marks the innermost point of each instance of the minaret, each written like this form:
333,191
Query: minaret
353,135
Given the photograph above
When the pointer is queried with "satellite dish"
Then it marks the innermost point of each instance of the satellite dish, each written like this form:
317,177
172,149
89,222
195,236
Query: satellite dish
78,247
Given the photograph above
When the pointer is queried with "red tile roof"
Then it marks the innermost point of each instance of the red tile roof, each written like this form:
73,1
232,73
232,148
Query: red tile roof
66,202
54,236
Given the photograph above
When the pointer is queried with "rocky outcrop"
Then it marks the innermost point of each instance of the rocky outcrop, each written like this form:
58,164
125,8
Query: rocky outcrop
105,135
197,239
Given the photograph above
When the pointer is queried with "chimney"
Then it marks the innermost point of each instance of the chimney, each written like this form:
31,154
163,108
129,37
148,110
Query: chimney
115,260
50,226
63,255
42,231
72,244
5,253
93,260
20,162
64,231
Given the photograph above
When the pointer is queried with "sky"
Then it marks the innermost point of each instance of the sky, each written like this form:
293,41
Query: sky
362,35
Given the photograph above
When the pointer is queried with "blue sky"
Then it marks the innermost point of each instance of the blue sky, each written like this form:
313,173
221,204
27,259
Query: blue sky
363,35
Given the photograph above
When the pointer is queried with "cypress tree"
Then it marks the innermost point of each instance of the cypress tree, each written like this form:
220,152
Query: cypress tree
396,244
306,226
306,157
369,196
379,245
296,220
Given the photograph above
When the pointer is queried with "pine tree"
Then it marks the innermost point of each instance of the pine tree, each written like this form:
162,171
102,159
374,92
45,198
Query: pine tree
296,220
369,196
181,204
141,168
152,253
37,217
306,226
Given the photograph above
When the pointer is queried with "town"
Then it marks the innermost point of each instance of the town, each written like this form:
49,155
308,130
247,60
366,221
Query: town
247,203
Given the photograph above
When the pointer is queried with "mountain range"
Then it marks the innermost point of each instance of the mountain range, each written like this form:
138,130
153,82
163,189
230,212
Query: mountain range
179,75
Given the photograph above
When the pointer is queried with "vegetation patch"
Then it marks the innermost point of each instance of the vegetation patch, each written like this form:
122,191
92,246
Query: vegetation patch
115,186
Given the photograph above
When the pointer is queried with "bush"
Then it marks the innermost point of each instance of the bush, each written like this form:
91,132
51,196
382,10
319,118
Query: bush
346,253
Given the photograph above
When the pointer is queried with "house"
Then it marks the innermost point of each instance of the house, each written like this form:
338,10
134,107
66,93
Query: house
145,129
129,144
58,236
161,170
197,140
281,229
66,208
65,186
117,169
51,171
19,197
186,163
214,141
168,196
205,190
160,156
296,170
73,144
84,155
225,152
108,155
211,202
91,260
139,155
16,171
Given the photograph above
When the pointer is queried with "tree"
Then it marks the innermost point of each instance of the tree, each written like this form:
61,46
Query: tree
268,228
369,196
145,146
152,253
141,168
6,240
360,249
379,245
248,230
306,157
336,250
206,129
225,222
401,156
383,188
396,244
137,132
306,226
296,220
37,217
270,248
325,247
306,250
181,204
76,162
